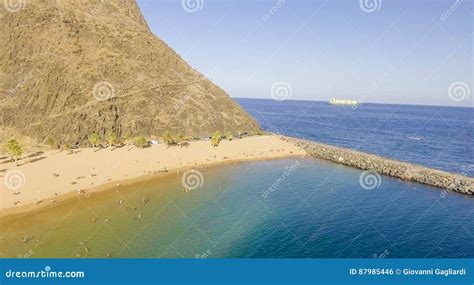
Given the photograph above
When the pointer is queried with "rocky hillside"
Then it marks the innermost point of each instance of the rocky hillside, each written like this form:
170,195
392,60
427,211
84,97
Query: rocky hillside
72,67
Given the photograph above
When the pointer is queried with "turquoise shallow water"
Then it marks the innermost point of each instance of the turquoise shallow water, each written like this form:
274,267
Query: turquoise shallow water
282,208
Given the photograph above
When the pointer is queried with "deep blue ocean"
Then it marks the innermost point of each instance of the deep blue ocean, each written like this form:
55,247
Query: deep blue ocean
433,136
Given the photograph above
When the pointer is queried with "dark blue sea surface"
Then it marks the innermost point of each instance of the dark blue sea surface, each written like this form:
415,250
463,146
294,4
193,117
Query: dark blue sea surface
433,136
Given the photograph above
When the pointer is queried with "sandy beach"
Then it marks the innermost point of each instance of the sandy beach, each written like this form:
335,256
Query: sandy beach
44,178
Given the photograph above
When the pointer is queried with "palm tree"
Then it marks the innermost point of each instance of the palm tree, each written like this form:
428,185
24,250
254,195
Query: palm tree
216,138
14,149
111,139
180,138
141,142
94,140
168,138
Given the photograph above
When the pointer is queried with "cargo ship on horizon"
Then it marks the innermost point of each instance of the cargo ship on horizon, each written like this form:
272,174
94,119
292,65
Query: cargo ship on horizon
334,101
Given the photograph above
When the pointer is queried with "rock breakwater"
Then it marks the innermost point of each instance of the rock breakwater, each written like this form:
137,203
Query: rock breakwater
389,167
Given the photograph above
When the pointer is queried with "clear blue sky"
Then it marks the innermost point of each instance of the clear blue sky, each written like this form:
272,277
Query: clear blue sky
406,51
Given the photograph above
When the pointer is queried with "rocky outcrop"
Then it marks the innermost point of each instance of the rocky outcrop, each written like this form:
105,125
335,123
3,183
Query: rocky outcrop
388,167
72,67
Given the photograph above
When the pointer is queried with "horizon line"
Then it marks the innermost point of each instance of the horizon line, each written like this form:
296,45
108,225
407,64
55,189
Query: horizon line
376,103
